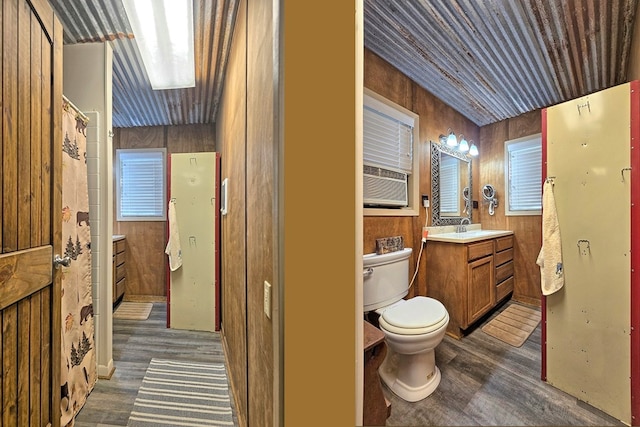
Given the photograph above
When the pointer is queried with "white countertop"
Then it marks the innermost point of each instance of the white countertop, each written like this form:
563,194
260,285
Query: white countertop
117,237
474,233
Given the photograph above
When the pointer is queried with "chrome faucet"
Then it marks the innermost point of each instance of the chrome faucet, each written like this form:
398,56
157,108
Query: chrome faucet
463,225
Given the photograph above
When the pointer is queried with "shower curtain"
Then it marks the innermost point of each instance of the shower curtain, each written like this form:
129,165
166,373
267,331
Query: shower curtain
78,373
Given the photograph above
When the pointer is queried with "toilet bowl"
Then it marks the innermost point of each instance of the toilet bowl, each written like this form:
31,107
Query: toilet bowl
413,328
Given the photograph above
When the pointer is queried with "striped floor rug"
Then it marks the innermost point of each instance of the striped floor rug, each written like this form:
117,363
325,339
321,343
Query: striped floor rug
182,394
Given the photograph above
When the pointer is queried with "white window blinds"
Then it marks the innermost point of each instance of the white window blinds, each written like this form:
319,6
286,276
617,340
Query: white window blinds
140,185
524,176
449,184
387,137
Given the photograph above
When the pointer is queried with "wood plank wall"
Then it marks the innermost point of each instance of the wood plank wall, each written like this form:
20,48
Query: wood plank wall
246,126
232,134
435,118
146,241
527,229
262,151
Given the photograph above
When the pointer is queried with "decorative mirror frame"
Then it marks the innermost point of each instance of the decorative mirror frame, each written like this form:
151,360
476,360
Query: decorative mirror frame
436,150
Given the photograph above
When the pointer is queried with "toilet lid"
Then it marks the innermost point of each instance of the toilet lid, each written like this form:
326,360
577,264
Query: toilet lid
418,315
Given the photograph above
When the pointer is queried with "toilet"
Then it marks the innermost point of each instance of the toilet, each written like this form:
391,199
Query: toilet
412,328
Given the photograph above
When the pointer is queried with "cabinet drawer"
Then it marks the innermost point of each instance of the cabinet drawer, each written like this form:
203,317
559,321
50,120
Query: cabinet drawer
480,249
504,256
119,246
119,258
120,288
503,271
503,243
119,272
503,289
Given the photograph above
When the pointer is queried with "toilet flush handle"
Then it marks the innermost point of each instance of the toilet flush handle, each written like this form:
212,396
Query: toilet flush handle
367,272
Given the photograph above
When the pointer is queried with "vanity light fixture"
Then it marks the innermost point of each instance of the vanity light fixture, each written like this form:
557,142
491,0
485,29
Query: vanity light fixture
464,145
163,31
452,141
473,150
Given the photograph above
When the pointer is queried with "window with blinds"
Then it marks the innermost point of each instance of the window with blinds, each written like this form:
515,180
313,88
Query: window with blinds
523,176
389,163
140,184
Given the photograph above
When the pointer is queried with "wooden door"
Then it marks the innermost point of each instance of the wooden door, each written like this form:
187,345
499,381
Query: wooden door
30,213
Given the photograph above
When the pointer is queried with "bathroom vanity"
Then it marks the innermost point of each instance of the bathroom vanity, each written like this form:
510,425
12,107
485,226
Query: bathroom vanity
469,272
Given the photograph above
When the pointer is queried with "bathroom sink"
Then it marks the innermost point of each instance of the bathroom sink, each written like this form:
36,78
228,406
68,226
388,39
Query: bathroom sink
468,236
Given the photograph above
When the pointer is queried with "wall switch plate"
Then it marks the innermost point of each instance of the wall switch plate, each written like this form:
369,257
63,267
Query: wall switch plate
267,299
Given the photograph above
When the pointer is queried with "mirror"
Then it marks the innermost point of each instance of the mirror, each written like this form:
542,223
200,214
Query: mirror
451,188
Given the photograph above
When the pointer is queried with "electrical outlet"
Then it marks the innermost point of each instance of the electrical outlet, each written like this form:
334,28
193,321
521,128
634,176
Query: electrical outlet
267,299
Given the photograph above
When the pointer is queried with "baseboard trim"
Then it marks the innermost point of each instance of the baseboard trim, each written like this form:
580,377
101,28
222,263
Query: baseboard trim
105,372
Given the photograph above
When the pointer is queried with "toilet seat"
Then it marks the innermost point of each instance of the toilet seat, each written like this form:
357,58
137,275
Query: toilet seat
415,316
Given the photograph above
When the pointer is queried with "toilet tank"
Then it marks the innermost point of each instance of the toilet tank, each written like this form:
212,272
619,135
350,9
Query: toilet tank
386,278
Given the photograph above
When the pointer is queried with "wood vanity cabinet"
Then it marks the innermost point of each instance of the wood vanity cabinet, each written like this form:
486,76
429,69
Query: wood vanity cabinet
118,269
469,278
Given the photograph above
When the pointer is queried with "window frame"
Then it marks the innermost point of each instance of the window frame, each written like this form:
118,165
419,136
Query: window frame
118,187
386,106
524,142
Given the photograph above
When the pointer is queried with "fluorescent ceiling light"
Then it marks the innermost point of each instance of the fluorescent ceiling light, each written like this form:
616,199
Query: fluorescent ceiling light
163,30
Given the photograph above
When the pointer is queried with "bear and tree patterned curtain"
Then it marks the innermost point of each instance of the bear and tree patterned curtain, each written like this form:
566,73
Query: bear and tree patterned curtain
79,371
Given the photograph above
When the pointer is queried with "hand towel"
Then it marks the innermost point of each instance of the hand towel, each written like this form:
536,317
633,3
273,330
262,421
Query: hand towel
173,245
550,256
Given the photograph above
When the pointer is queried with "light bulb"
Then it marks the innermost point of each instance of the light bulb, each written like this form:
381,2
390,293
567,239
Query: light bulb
451,140
464,145
473,150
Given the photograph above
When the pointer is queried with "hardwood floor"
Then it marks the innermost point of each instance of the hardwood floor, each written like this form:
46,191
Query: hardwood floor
488,382
135,343
484,381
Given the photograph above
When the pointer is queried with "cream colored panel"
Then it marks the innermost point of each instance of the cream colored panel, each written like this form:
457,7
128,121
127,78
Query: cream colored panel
192,298
588,321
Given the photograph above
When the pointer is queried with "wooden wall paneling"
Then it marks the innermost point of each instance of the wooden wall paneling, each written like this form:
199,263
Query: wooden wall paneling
191,138
527,234
141,137
527,229
385,80
231,133
492,172
145,267
261,213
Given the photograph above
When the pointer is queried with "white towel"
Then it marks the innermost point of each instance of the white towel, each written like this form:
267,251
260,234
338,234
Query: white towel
550,256
173,245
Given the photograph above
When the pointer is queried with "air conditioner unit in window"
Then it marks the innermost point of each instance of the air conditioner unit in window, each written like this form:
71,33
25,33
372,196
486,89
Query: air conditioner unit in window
383,187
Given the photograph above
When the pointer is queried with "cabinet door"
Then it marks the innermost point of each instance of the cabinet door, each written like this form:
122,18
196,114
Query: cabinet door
481,289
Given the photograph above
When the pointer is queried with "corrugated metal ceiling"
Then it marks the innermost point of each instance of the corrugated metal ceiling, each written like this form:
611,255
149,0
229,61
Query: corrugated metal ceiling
488,59
495,59
134,102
